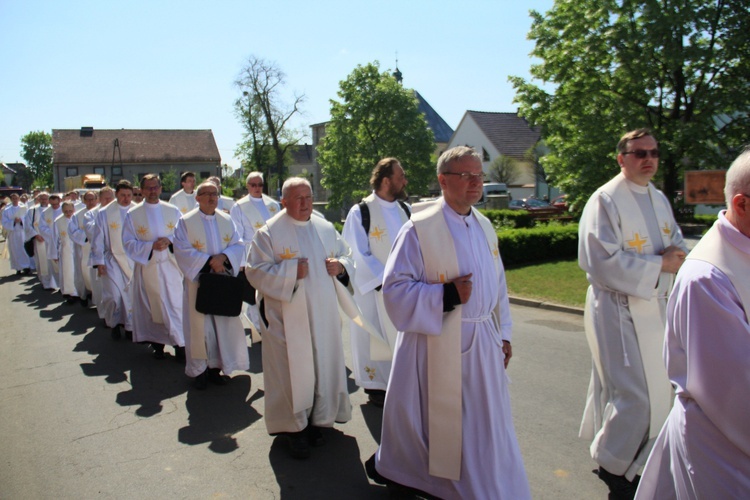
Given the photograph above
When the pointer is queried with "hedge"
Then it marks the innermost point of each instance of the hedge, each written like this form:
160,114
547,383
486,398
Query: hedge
514,218
541,243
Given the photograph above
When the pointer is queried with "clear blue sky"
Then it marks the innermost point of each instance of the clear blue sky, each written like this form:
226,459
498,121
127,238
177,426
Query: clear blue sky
167,64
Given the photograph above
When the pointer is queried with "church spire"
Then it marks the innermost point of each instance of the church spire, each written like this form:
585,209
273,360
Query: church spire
397,74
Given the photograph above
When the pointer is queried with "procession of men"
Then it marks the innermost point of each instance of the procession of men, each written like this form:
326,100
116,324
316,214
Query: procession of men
424,292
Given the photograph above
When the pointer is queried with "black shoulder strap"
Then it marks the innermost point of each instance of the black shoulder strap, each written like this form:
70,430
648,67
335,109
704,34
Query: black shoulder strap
365,211
406,208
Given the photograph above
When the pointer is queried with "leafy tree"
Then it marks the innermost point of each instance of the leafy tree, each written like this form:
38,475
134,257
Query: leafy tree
268,136
170,180
504,169
681,69
25,178
375,118
36,149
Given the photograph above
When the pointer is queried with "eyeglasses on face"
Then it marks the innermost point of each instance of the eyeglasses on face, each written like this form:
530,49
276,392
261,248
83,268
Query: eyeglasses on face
642,153
467,176
255,184
210,195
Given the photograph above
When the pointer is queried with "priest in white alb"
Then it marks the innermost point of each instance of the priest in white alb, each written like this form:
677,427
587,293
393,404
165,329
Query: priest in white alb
33,218
630,247
77,234
63,252
157,280
447,424
703,450
13,222
106,196
114,268
206,241
370,229
49,214
184,199
295,262
249,214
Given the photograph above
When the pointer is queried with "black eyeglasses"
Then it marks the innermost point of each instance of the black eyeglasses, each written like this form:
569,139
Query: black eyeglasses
255,185
466,176
642,153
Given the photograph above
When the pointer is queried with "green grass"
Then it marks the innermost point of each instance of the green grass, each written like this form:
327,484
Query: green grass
561,282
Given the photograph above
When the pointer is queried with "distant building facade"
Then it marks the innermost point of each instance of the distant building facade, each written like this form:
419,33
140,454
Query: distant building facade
131,154
504,134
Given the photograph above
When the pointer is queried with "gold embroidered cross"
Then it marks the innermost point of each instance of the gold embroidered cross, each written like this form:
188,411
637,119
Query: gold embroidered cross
142,231
370,372
666,229
114,225
63,234
288,254
258,225
170,225
272,209
227,238
637,242
198,245
377,233
183,210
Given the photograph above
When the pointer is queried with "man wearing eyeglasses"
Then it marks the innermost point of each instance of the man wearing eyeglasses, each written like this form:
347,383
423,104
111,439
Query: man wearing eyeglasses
206,241
447,424
249,214
630,247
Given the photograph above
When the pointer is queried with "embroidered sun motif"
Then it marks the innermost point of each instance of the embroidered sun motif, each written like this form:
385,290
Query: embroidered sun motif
227,238
63,234
637,242
377,233
370,372
142,231
288,254
198,245
183,210
666,230
272,209
171,225
114,225
258,225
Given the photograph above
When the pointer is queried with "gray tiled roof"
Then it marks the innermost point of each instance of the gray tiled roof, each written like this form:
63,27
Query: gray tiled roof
442,130
136,146
508,132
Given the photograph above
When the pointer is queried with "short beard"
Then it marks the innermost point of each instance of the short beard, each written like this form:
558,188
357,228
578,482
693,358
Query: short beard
400,195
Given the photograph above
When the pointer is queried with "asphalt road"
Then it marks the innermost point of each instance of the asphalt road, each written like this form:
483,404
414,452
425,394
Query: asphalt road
83,416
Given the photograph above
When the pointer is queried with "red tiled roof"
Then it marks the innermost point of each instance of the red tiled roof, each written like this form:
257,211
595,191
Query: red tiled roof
136,146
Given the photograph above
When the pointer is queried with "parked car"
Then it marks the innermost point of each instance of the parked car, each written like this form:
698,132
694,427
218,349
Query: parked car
534,205
491,188
560,202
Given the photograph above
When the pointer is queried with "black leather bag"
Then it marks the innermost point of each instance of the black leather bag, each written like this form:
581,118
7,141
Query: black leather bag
248,291
219,294
28,246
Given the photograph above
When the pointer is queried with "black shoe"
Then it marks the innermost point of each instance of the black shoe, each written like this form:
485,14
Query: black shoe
376,397
315,436
179,354
69,299
619,486
27,271
372,473
158,350
201,381
84,302
116,332
299,447
128,335
215,377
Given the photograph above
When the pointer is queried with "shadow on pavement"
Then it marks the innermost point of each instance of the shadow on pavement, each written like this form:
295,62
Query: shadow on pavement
219,412
333,470
373,417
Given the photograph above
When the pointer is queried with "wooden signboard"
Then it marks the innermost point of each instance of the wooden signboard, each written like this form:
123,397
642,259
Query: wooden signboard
704,187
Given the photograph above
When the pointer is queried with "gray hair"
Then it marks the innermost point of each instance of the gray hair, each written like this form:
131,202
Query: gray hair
294,182
738,177
206,184
454,154
69,204
253,175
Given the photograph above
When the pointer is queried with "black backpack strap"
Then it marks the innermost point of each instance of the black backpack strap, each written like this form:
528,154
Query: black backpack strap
406,208
365,211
